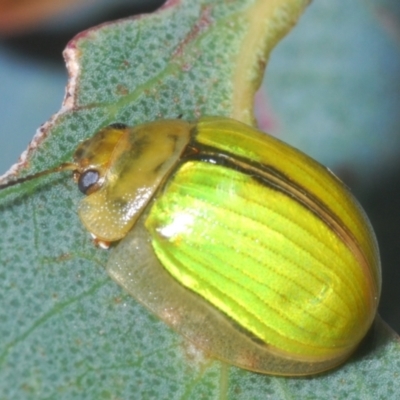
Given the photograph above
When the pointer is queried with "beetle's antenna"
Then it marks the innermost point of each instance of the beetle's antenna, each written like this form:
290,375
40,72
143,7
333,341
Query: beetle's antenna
59,168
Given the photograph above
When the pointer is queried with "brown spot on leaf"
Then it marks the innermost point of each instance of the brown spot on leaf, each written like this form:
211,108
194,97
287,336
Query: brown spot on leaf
202,24
122,90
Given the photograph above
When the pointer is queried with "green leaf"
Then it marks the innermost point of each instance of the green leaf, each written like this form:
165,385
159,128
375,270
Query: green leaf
66,330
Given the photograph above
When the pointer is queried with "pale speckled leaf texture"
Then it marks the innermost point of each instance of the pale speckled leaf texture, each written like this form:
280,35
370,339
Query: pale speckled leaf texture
66,330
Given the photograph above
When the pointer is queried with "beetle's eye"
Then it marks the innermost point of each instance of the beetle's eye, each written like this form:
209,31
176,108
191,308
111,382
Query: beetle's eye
87,180
118,125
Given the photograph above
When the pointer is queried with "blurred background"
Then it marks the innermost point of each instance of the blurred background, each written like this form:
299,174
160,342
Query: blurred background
332,90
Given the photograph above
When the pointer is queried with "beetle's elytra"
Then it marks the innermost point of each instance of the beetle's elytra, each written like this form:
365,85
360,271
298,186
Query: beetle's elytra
245,245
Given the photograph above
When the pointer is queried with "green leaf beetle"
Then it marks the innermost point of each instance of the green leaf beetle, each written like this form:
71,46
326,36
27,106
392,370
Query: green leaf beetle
244,245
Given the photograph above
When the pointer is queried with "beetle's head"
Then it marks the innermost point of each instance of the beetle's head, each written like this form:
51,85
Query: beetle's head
92,158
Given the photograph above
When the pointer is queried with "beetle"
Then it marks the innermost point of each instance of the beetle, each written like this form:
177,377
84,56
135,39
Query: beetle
246,246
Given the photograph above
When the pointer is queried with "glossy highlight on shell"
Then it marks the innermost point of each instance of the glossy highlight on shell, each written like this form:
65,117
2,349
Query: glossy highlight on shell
246,246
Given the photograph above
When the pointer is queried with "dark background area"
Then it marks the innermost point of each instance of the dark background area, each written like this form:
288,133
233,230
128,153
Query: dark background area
46,46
